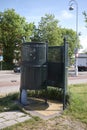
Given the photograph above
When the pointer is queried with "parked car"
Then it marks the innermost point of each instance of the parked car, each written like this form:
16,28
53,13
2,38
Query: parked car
17,69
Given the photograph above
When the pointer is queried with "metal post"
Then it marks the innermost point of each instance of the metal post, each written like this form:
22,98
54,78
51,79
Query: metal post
65,73
23,97
71,3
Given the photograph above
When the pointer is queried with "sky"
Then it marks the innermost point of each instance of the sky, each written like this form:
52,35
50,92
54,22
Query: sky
35,9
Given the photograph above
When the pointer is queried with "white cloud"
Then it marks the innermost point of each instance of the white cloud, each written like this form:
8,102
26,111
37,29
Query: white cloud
66,15
83,42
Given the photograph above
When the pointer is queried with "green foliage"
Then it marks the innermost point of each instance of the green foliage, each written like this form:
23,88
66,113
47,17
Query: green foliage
71,39
12,28
7,65
51,93
48,30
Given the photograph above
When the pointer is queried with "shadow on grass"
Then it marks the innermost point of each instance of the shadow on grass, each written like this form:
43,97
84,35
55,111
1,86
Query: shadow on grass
8,102
36,100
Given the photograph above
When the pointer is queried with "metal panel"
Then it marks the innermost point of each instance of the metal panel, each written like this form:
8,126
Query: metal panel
33,78
34,68
34,53
55,74
55,66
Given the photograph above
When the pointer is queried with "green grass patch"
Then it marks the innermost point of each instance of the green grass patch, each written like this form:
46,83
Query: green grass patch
52,93
78,102
34,123
8,102
77,107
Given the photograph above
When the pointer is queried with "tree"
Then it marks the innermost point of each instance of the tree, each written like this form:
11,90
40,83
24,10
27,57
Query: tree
12,28
48,30
71,39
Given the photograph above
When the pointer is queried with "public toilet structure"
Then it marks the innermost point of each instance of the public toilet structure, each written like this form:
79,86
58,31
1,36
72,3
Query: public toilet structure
43,66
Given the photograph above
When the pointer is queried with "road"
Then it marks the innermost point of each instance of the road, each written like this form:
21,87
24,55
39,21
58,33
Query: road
10,81
80,79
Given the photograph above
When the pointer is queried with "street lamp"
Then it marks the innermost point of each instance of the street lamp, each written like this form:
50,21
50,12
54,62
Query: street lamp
71,7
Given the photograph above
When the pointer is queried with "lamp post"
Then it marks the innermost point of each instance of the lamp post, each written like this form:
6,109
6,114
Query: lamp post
71,4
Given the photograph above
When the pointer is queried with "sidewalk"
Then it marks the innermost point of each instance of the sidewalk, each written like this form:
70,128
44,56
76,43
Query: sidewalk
11,118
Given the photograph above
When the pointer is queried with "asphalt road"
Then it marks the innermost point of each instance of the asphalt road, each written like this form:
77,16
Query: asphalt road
80,79
10,81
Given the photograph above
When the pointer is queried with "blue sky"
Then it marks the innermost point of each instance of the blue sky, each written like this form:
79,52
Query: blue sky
33,11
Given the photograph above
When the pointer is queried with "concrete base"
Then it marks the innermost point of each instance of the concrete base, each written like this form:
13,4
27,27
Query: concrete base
37,107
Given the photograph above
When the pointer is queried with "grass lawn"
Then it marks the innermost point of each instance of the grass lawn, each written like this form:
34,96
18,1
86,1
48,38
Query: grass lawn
77,109
78,102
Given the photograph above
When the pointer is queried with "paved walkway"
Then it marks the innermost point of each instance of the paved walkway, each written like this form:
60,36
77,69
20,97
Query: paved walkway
11,118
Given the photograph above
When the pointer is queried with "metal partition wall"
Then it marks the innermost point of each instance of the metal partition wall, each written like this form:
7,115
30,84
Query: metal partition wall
57,68
44,66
